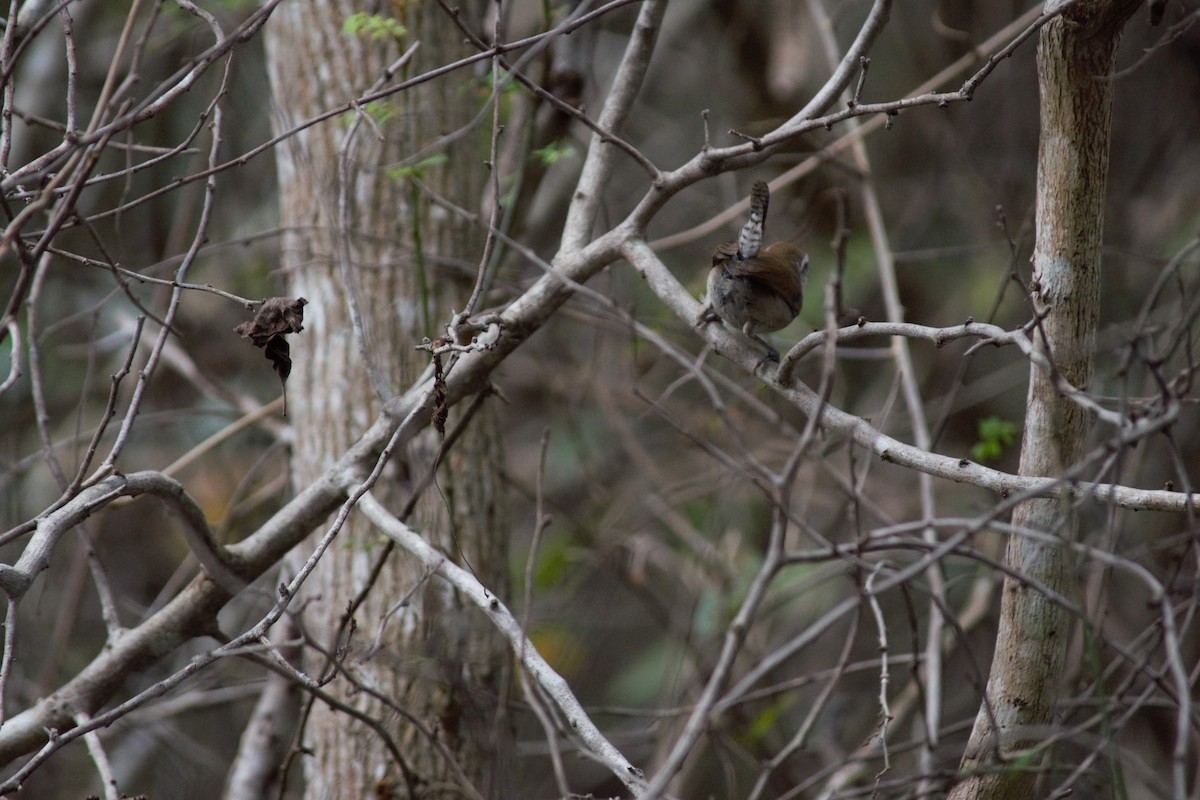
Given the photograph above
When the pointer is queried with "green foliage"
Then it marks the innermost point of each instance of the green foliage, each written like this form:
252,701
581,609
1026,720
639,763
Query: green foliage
418,169
995,435
642,680
510,195
552,152
380,110
553,562
763,723
487,81
482,89
1026,761
373,26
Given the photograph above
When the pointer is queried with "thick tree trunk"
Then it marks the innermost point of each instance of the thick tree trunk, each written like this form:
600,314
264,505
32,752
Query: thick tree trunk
1076,53
431,648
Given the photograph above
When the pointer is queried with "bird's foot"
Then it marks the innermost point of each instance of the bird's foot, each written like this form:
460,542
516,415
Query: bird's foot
771,357
706,315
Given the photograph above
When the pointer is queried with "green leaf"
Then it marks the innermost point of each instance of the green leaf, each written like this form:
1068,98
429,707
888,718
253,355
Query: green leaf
417,170
641,680
373,26
553,152
552,564
995,434
763,723
379,110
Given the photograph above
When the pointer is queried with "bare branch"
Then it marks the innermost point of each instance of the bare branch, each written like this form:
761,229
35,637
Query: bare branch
556,688
597,167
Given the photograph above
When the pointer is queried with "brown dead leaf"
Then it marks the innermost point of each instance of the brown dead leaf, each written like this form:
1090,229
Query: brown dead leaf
441,409
277,316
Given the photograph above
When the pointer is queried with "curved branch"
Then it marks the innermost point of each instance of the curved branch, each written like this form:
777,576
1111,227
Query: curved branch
222,566
848,66
504,621
598,166
858,430
987,333
188,615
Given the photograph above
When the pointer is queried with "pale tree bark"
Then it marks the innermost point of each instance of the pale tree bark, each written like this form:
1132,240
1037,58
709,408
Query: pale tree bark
351,226
1076,53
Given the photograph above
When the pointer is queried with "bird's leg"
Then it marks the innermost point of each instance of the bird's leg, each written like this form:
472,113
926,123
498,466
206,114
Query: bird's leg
772,354
707,314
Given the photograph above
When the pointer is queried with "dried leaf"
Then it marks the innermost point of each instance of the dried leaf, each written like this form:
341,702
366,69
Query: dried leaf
279,352
441,409
277,316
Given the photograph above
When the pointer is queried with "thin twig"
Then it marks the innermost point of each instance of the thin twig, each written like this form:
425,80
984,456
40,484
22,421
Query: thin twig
556,688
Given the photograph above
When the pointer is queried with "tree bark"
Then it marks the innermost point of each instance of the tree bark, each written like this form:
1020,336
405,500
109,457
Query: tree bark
339,204
1076,53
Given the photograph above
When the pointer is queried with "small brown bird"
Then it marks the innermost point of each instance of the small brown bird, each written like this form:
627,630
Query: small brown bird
752,289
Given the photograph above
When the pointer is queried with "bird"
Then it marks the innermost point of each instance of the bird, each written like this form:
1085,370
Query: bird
754,288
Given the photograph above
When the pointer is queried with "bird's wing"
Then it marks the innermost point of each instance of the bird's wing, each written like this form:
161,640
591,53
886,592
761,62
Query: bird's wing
726,251
783,284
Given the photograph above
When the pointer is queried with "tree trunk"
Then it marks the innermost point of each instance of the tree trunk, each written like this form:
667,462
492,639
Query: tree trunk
380,226
1076,53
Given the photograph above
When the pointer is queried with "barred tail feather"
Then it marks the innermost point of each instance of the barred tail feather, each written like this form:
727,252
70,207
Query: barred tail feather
750,239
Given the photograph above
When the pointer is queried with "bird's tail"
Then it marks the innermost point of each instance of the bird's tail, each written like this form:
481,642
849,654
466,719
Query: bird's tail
750,239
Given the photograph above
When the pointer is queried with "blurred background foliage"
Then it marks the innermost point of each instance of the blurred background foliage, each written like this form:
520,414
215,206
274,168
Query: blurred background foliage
653,539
